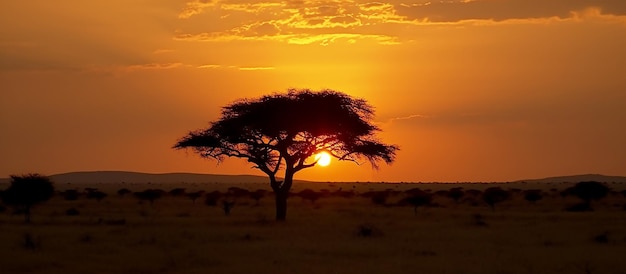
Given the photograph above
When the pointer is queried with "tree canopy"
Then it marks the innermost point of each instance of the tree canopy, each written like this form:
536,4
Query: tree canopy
282,131
26,191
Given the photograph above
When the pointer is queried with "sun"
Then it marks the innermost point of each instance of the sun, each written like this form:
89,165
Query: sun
323,158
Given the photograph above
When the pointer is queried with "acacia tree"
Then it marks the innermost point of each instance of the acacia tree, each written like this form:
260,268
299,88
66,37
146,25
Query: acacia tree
26,191
280,132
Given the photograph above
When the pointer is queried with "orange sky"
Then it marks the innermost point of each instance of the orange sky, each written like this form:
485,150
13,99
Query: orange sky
473,90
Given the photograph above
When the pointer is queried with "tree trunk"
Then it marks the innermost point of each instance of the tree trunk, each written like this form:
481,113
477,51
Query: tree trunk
281,204
281,192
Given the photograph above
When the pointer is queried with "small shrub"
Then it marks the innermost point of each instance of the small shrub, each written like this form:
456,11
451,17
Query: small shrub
177,192
532,195
495,195
123,191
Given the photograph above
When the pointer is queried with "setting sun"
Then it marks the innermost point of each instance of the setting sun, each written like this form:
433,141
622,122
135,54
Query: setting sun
323,158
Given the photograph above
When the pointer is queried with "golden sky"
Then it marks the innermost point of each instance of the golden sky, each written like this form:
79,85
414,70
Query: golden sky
471,90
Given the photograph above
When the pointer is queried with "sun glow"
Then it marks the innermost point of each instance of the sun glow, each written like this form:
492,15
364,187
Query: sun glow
322,158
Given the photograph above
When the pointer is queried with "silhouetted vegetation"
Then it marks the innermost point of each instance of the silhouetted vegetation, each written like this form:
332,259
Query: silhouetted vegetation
149,195
123,192
310,195
532,195
588,191
211,198
417,198
195,195
26,191
257,195
282,131
456,193
177,192
495,195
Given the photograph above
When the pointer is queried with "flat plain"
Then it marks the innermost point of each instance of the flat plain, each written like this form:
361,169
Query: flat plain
336,233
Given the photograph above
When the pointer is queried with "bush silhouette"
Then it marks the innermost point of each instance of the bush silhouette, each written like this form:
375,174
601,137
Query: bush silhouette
532,195
417,198
495,195
177,192
195,195
310,195
588,191
123,191
26,191
149,195
257,195
456,193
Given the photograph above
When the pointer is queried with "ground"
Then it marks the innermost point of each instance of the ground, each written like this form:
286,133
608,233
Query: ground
332,235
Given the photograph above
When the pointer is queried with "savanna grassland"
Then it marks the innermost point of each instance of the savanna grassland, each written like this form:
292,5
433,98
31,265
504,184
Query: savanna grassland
344,230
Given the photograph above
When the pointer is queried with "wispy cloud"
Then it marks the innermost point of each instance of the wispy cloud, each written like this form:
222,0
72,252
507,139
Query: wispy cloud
256,68
153,66
244,68
325,22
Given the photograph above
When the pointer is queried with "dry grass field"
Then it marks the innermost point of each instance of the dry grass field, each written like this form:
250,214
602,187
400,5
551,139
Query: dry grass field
331,235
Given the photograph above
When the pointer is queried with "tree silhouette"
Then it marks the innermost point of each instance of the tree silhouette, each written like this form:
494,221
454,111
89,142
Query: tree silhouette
282,131
26,191
588,191
494,195
532,195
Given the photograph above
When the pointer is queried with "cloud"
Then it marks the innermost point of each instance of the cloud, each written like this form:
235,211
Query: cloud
244,68
256,68
325,22
501,10
153,66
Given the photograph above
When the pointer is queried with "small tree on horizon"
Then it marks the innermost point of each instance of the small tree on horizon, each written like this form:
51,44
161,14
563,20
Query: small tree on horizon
588,191
282,131
26,191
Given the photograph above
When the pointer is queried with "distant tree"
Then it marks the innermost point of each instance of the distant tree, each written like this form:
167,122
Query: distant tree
237,192
282,132
532,195
309,194
588,191
177,192
377,197
257,195
195,195
417,198
495,195
26,191
123,192
456,193
149,195
211,198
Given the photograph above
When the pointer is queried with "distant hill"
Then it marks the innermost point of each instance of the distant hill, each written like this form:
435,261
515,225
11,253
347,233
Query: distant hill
579,178
94,177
